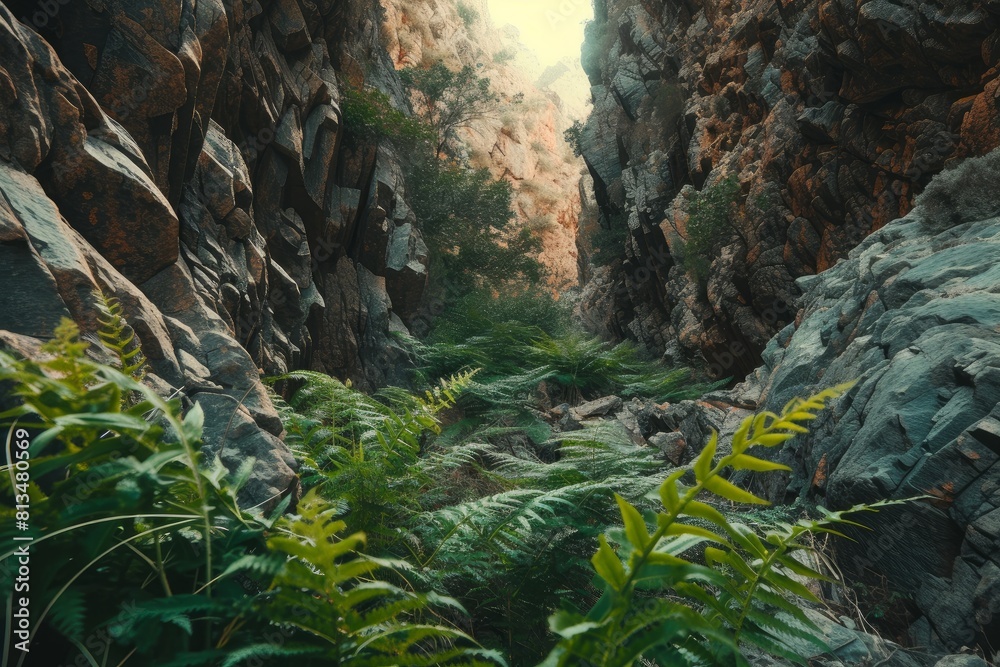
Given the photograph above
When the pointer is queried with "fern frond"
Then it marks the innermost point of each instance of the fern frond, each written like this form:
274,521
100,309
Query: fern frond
118,337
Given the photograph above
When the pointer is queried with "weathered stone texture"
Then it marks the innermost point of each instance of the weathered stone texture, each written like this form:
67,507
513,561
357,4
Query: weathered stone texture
190,159
832,114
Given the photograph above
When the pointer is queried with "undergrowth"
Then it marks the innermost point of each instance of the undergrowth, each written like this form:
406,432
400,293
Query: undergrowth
142,556
470,526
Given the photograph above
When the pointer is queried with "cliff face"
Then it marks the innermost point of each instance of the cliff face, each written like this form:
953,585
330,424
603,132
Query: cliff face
523,141
190,159
913,315
831,114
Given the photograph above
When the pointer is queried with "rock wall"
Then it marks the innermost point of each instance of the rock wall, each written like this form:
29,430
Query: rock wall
523,141
831,113
190,159
913,314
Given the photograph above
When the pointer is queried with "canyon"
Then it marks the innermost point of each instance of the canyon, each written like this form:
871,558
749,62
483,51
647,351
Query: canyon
193,160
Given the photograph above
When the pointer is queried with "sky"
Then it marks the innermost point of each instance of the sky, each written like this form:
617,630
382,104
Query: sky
553,29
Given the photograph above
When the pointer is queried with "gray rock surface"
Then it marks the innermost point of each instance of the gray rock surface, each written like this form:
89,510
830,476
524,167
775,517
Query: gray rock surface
913,315
190,159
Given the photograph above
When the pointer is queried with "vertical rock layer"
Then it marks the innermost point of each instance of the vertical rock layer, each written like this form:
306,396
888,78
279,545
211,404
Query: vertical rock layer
190,159
832,114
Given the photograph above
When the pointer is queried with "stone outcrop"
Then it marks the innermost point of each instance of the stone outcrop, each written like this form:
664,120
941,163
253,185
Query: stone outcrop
913,315
832,114
191,159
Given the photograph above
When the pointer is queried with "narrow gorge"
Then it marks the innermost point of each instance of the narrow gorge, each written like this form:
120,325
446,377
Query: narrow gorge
383,332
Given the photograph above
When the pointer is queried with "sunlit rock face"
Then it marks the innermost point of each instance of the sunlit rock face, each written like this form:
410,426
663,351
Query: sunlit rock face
523,140
831,114
190,159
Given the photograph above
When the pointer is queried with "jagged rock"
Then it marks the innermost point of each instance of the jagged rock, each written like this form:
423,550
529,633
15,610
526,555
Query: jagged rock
672,445
191,161
596,408
831,115
912,315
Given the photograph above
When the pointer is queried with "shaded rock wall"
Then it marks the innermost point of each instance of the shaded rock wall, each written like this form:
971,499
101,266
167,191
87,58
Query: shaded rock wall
190,159
914,315
831,113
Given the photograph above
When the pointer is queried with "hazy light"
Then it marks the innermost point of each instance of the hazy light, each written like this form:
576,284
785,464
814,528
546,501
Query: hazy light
553,29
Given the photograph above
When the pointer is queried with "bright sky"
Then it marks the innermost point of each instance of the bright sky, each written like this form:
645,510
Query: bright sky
553,29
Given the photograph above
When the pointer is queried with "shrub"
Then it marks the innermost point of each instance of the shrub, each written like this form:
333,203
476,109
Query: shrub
369,113
481,309
466,218
607,244
448,101
504,56
574,137
468,14
711,220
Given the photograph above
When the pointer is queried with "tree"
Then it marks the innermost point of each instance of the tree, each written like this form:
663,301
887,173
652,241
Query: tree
466,218
448,101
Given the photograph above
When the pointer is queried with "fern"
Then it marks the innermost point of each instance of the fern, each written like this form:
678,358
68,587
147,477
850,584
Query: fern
119,337
164,560
321,591
358,449
740,597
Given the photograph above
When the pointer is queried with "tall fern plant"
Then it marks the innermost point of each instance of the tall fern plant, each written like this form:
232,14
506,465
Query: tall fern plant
363,452
703,614
141,554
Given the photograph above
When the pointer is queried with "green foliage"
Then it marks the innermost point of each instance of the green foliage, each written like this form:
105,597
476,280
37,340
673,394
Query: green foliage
505,56
468,15
606,243
360,452
448,101
464,481
466,218
119,337
481,310
742,595
515,357
370,624
574,137
165,566
710,222
369,113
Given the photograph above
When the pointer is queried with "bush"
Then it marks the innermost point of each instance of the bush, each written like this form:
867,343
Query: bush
466,218
482,309
369,114
467,14
448,101
711,221
574,137
504,56
607,244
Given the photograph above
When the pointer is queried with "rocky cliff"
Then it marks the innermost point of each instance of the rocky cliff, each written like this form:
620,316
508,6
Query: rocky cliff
191,159
913,315
523,141
832,115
